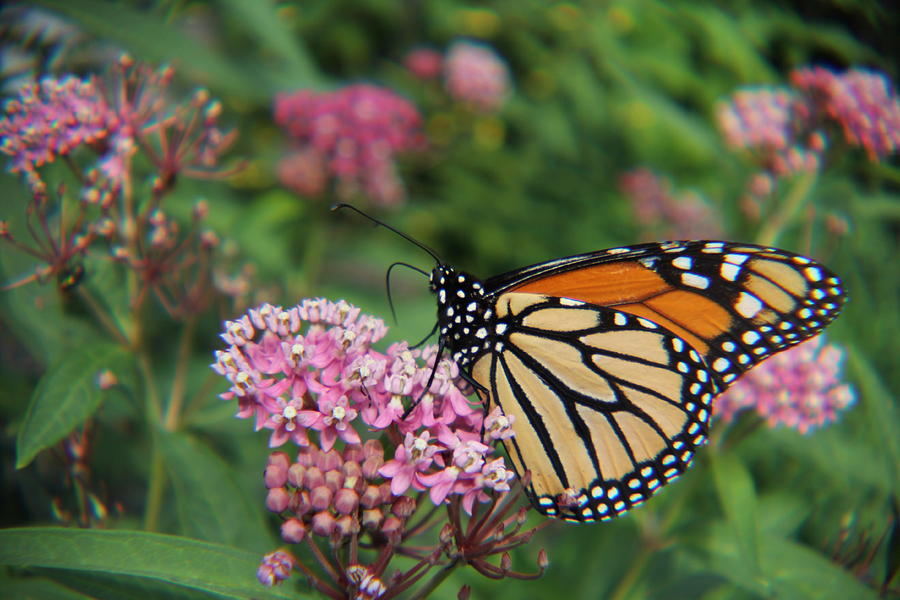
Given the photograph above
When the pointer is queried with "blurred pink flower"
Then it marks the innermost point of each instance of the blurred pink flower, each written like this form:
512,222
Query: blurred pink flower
51,118
664,215
800,388
424,63
770,122
860,101
356,132
475,74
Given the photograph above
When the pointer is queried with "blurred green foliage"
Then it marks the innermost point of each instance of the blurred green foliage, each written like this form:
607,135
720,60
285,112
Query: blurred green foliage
599,88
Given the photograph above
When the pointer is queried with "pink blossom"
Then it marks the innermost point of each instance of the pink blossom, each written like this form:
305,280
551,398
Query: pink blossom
475,74
52,118
663,214
424,63
860,101
414,456
800,388
356,132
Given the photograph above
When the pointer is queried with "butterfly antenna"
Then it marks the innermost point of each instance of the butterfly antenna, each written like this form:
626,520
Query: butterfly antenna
437,359
409,239
387,284
425,339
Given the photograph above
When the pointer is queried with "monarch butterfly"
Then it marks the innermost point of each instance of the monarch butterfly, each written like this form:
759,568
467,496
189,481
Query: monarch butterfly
609,361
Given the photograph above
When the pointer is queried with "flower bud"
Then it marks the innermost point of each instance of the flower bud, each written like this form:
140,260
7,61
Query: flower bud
323,523
371,497
543,560
371,465
464,592
320,497
386,495
373,448
446,534
278,499
346,525
392,528
334,480
505,561
354,454
330,460
371,519
293,531
307,456
351,469
403,507
296,474
313,478
300,504
346,501
276,469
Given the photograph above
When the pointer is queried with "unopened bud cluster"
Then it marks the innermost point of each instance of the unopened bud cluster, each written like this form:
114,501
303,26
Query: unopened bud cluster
335,494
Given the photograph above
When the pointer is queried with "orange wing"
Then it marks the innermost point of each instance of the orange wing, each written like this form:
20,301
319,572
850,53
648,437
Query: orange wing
736,304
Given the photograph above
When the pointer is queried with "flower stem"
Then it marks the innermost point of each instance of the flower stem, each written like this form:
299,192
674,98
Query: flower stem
434,582
182,360
788,209
634,571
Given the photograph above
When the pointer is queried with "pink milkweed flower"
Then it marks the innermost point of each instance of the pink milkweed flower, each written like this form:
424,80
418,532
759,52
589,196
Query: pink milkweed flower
800,388
334,420
355,133
861,102
414,456
424,63
475,74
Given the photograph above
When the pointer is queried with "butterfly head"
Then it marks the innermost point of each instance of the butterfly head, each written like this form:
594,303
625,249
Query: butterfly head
462,312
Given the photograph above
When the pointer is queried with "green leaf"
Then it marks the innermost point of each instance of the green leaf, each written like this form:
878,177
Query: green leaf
221,570
738,499
881,413
66,396
210,504
151,38
796,571
261,20
39,589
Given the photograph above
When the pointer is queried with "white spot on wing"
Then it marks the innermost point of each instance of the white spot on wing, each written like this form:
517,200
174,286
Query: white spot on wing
694,280
730,271
683,262
747,305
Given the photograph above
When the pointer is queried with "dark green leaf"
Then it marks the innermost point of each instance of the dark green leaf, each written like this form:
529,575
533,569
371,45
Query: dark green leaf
210,504
66,395
212,568
738,499
151,38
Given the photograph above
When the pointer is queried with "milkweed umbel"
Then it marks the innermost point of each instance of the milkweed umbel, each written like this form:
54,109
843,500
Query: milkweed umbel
609,361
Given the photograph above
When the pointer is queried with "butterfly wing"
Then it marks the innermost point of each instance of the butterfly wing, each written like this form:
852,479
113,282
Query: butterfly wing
736,304
607,406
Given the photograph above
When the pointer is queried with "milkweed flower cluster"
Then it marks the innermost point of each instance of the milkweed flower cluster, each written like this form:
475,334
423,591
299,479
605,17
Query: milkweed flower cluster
100,125
787,128
310,377
663,214
860,102
424,63
799,388
353,136
475,74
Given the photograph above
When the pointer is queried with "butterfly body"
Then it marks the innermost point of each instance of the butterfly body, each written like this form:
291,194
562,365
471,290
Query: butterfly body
609,362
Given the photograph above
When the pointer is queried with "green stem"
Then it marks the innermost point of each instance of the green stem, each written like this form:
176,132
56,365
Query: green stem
434,582
155,488
634,571
313,252
788,209
102,315
179,382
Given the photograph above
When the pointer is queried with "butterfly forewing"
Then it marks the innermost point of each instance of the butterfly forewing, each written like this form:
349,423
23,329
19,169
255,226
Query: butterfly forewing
736,304
607,407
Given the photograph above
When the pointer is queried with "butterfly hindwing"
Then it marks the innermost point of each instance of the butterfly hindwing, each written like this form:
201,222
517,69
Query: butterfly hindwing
607,407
